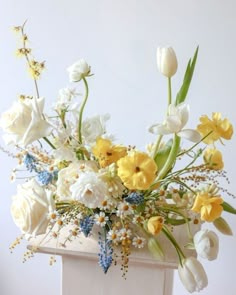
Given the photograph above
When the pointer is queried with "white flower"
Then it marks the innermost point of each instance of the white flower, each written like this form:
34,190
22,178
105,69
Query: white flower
113,235
64,99
124,234
101,219
193,275
68,176
94,127
206,244
30,208
89,189
138,242
78,70
124,209
166,61
24,123
175,121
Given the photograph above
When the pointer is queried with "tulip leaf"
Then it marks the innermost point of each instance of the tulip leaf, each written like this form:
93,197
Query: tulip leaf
181,95
155,248
162,154
228,208
174,221
221,224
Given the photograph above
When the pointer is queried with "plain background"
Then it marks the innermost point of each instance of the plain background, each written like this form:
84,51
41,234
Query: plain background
119,40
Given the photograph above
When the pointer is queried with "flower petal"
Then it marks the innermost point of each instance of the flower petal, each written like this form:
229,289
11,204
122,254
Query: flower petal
159,129
190,134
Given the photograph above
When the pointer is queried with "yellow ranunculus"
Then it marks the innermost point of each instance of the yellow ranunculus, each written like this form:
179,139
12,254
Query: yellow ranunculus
137,171
106,153
213,159
155,224
209,207
221,128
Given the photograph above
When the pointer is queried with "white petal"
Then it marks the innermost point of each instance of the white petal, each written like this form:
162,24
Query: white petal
190,134
173,124
159,129
184,113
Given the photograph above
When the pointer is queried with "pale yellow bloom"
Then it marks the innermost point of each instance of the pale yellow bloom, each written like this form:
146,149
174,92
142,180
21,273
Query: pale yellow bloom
209,207
137,171
213,159
220,128
155,225
106,153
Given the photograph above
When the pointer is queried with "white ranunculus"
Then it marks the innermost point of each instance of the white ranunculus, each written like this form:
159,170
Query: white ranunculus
94,127
24,123
89,189
64,100
192,275
175,121
30,208
68,176
166,61
206,244
78,70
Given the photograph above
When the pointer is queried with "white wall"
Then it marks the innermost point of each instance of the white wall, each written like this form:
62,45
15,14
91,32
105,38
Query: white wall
119,40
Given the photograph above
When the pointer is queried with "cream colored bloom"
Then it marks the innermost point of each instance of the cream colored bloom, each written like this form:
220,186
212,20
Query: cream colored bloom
192,275
206,243
30,208
78,70
166,61
24,123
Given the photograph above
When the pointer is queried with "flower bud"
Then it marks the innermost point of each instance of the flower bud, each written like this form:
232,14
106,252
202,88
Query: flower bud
206,244
192,275
78,70
166,61
155,224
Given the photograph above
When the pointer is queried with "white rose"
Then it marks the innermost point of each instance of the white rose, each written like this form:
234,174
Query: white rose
30,208
89,189
206,244
68,176
94,127
23,122
166,61
192,275
78,70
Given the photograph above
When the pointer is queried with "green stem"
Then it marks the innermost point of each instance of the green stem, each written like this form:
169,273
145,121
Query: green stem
169,91
156,147
49,142
82,109
171,158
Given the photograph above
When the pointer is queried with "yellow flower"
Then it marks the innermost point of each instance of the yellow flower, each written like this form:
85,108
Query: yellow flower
106,153
209,207
155,225
213,159
137,171
221,128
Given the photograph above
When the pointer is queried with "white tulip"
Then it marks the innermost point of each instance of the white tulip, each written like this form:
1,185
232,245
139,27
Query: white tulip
78,70
30,208
174,123
192,275
166,61
24,123
206,244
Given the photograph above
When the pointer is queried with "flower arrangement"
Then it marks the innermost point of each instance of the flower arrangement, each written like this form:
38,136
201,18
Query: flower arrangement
78,176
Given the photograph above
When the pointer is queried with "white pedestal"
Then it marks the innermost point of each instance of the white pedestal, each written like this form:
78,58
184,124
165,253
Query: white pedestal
81,273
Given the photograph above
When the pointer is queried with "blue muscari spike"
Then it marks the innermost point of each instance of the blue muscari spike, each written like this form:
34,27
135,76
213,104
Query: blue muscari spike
86,225
45,177
135,198
105,255
30,162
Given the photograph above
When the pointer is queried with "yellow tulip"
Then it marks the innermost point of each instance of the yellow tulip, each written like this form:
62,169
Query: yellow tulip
155,225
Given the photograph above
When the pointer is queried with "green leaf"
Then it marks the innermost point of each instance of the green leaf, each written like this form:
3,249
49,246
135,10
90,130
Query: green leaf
181,95
155,248
173,221
228,208
163,154
221,224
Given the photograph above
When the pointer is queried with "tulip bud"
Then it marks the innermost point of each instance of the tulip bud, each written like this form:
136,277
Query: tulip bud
192,275
206,244
166,61
155,224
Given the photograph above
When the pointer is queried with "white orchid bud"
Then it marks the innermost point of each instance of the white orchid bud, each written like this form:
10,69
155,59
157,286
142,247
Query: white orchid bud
206,244
192,275
166,61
